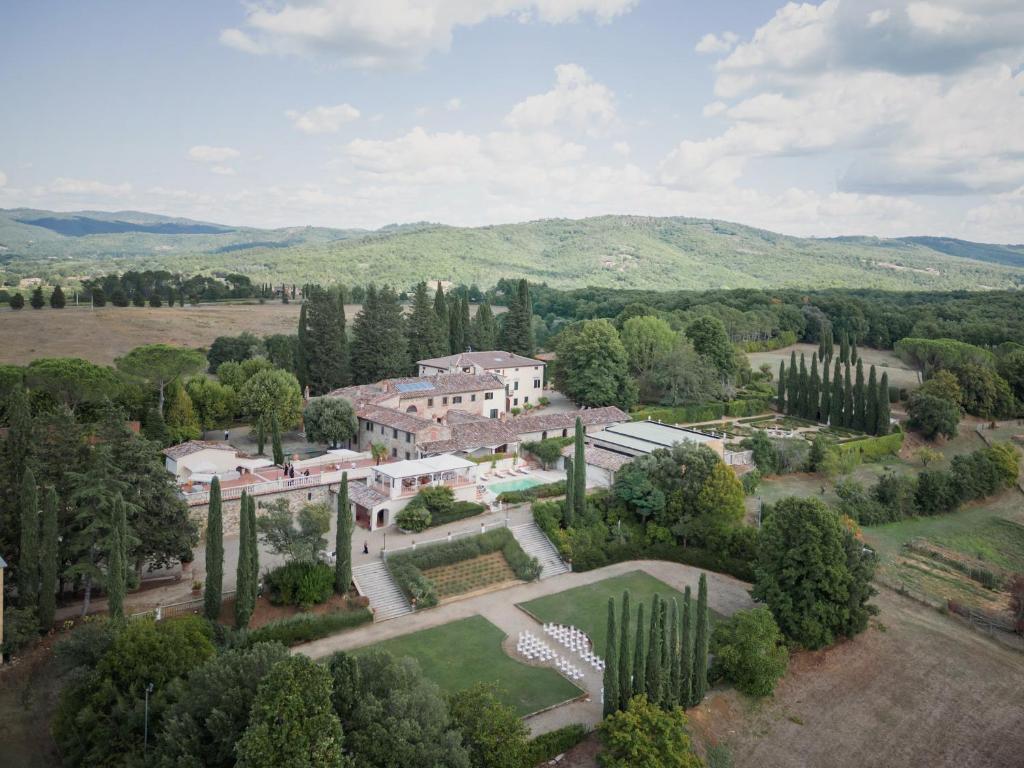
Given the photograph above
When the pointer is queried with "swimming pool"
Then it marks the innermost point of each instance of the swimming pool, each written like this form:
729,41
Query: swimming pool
520,484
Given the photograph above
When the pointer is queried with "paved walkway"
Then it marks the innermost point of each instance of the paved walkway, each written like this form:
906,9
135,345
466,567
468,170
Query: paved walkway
726,595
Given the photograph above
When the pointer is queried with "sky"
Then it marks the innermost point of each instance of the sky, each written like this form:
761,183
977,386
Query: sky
871,117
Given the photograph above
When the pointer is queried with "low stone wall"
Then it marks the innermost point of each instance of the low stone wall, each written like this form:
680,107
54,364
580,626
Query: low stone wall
230,508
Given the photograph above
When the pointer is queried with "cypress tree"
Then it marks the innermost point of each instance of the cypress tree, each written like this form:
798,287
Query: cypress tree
625,656
117,560
485,329
343,540
517,330
441,312
422,328
456,333
780,398
825,405
569,506
49,561
848,414
835,417
388,340
700,643
639,655
882,397
467,329
325,345
686,652
254,555
675,671
363,350
859,401
792,386
813,390
844,349
803,387
28,557
854,357
244,576
654,676
579,465
611,668
871,404
275,440
214,553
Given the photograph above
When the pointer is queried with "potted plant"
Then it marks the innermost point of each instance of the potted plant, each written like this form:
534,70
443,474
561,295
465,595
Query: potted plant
197,588
186,559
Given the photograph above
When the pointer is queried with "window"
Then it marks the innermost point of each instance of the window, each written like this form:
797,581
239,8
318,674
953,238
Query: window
382,430
544,435
369,426
516,385
536,383
430,402
394,434
444,400
488,395
494,413
515,401
456,399
565,433
472,398
526,399
408,437
394,453
406,455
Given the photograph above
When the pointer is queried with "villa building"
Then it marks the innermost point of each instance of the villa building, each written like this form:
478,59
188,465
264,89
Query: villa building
201,460
523,376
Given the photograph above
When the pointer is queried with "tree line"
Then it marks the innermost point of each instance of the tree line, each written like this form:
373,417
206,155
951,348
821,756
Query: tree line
842,401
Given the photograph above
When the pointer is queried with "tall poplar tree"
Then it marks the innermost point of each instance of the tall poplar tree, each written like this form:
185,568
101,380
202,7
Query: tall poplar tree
836,399
569,506
625,655
28,557
848,413
654,637
579,471
245,579
611,662
639,654
343,540
813,390
780,398
792,386
49,560
686,651
484,335
883,404
859,401
700,643
871,403
441,312
214,588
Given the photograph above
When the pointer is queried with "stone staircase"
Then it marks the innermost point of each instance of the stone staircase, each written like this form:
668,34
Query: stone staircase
534,543
374,581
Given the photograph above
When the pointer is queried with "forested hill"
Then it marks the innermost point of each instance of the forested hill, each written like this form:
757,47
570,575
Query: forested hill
608,251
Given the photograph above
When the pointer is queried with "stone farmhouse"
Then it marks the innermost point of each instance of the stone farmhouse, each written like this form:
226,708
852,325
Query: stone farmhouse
523,376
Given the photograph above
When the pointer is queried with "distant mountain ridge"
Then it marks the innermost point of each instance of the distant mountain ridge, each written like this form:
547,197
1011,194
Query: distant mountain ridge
623,251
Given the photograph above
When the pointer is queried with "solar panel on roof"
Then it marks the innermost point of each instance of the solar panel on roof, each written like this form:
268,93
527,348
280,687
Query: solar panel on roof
414,386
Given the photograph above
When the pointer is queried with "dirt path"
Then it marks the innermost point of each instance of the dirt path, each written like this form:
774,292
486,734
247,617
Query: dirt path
917,689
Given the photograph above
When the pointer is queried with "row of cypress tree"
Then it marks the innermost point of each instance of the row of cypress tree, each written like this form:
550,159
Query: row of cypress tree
847,400
669,664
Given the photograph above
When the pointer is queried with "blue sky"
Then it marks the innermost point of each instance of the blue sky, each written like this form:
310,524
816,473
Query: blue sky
885,117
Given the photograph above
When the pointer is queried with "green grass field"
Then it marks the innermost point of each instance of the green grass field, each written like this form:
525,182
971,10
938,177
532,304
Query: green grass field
586,607
459,654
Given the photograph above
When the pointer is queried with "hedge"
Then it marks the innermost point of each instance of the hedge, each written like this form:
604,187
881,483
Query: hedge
487,458
872,448
407,566
784,339
300,583
550,745
304,627
545,491
747,407
681,414
460,511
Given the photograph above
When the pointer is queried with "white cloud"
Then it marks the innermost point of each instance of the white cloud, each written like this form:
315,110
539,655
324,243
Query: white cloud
937,19
385,33
207,154
576,100
222,170
69,186
323,119
712,43
622,148
453,104
879,16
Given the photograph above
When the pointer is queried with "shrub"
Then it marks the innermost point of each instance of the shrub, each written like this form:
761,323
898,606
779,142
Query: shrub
308,626
300,583
547,451
748,407
750,482
414,518
536,492
873,448
438,500
682,414
460,510
749,651
549,745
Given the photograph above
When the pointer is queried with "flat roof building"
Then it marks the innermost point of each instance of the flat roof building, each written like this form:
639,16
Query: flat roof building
637,438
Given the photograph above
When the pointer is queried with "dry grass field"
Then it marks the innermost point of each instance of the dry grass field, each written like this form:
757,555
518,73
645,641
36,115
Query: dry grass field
885,361
916,689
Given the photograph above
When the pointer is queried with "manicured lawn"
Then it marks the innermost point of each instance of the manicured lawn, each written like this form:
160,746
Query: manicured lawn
586,607
459,654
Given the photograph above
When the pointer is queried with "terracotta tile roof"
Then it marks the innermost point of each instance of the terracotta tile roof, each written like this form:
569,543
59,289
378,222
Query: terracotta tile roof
600,457
391,417
471,435
194,446
490,360
364,496
445,384
567,419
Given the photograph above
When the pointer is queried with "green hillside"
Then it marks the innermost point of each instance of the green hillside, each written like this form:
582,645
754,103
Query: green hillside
611,251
